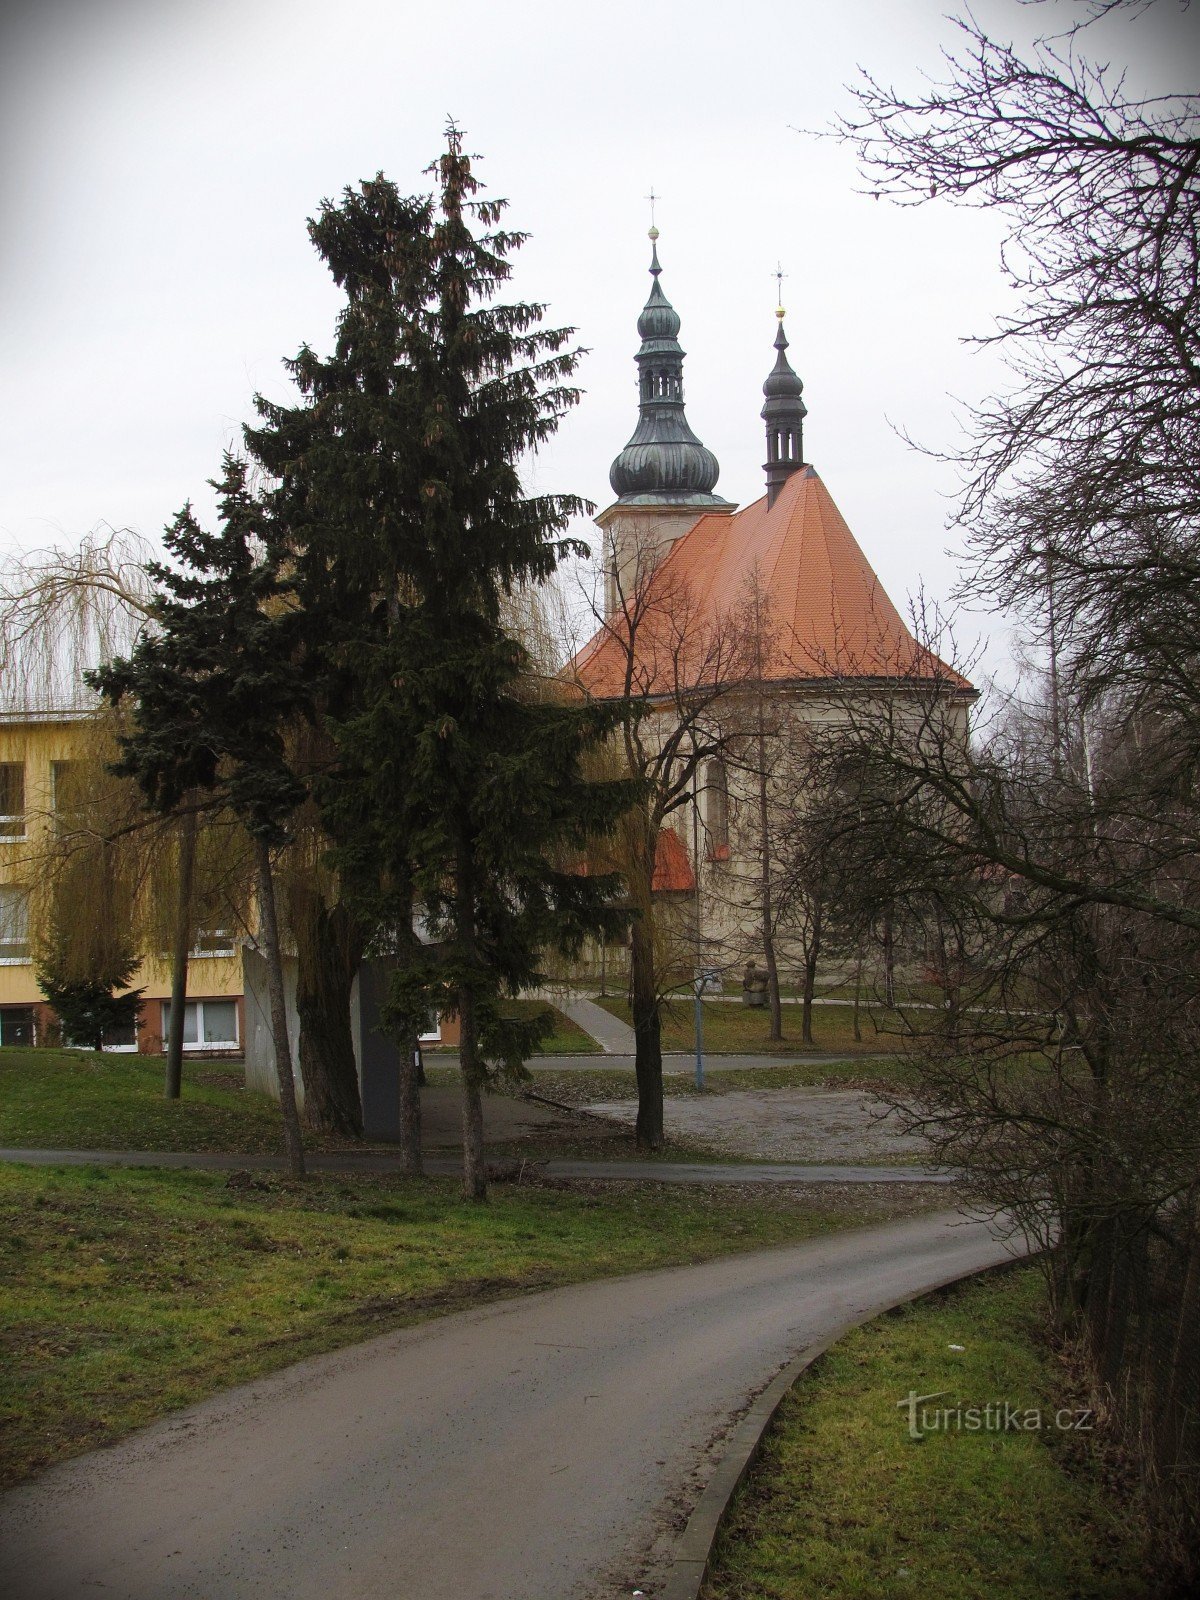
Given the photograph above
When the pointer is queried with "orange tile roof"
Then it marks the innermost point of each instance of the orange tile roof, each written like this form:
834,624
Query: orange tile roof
826,612
672,869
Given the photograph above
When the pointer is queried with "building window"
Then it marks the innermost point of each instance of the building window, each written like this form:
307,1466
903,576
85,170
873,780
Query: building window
122,1040
207,1024
16,1025
12,799
65,786
14,926
716,810
212,942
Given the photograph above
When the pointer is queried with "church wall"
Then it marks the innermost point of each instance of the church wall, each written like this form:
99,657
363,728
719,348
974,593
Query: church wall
727,862
636,538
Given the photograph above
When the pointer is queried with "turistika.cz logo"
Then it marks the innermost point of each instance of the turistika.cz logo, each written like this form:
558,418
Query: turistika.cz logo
996,1416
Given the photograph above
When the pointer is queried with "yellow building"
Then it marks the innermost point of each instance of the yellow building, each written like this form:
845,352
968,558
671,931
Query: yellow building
41,756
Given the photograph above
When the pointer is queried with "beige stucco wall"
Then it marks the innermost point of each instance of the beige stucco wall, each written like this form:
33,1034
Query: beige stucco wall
635,540
37,743
729,885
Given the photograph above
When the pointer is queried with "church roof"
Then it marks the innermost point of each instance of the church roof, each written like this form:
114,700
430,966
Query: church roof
827,615
672,870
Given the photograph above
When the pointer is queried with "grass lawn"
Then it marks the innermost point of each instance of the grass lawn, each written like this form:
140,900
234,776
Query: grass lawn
78,1100
842,1504
566,1039
129,1293
736,1028
584,1085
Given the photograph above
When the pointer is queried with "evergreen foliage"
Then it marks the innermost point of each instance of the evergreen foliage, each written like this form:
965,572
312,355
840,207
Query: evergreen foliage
214,686
460,783
213,690
88,1007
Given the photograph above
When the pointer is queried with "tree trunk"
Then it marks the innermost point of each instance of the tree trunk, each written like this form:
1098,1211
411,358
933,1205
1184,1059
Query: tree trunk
647,1029
858,975
889,961
812,951
768,911
412,1074
269,934
776,1031
1184,1369
474,1171
180,948
329,949
469,1060
411,1162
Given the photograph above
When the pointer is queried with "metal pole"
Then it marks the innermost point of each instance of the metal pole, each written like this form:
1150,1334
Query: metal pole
699,984
698,971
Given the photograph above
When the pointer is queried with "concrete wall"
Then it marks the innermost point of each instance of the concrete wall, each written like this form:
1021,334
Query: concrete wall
257,1041
377,1057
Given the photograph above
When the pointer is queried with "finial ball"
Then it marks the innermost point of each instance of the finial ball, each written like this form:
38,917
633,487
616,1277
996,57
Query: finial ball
653,231
780,313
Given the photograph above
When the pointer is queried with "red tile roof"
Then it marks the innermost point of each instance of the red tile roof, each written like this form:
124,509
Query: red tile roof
827,613
672,869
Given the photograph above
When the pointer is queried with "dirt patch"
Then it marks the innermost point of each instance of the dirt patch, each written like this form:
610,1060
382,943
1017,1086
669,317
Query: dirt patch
392,1309
220,1080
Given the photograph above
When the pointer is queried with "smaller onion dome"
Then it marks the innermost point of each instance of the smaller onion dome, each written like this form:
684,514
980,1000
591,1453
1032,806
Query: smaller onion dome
783,412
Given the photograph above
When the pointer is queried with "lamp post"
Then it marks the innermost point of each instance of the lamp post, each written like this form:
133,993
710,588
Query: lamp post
697,970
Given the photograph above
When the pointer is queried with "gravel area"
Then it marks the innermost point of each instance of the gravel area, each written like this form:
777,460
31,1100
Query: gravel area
820,1125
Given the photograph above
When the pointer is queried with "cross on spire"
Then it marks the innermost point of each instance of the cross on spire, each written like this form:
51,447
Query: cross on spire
779,275
652,197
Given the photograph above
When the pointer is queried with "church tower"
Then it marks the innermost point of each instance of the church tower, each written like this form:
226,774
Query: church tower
784,413
664,477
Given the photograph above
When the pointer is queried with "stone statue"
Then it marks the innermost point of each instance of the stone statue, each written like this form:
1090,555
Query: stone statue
754,986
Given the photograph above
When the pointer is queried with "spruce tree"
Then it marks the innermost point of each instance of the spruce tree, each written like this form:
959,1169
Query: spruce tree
460,782
88,1006
212,691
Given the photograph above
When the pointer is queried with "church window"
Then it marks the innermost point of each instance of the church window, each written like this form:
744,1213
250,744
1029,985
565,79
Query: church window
716,810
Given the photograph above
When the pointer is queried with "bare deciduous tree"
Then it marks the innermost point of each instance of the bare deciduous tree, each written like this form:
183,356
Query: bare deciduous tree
674,670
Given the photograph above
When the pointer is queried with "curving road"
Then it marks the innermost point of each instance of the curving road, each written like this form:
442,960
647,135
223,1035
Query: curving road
543,1448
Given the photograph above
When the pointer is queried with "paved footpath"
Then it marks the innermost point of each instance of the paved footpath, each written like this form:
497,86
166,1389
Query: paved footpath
612,1035
443,1166
540,1448
675,1062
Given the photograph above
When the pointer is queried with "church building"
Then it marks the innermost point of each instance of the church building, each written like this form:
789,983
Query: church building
682,565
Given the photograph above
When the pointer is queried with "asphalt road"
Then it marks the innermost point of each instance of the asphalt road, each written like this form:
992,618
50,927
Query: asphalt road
542,1448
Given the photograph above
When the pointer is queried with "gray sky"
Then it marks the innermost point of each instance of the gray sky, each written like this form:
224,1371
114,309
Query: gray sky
161,159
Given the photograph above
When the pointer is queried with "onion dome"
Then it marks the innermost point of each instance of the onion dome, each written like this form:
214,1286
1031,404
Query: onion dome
783,412
664,463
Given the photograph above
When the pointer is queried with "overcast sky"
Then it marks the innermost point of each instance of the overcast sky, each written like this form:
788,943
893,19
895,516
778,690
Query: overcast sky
160,160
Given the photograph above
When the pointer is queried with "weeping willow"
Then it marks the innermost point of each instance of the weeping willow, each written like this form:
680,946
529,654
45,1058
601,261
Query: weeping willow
66,609
104,874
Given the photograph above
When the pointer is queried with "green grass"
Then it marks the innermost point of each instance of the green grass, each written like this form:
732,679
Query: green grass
77,1100
865,1072
129,1293
566,1039
736,1028
584,1086
842,1504
80,1100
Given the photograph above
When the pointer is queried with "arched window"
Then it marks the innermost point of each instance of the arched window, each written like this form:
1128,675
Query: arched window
716,810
